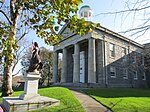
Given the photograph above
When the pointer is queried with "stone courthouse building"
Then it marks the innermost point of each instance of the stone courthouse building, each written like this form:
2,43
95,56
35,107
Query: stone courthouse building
101,58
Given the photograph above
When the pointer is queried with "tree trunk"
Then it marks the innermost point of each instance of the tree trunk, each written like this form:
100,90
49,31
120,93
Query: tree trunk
9,56
7,80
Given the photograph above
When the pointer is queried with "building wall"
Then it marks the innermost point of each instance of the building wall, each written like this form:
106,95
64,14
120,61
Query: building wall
147,62
120,64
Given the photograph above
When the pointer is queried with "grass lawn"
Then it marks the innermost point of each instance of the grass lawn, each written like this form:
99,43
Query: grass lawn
68,103
122,100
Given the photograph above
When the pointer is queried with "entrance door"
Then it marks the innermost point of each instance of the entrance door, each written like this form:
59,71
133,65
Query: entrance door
82,67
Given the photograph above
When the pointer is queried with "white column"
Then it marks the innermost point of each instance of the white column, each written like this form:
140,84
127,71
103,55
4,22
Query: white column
76,67
64,66
91,61
55,67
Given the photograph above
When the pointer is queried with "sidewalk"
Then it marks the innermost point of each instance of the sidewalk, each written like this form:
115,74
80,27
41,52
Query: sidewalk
88,103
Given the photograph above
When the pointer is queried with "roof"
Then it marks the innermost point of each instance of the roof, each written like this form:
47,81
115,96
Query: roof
101,28
85,6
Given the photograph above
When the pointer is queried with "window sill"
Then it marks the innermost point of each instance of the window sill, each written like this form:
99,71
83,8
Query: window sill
113,76
125,78
112,57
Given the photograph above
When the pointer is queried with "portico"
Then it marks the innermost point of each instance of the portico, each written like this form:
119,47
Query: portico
78,60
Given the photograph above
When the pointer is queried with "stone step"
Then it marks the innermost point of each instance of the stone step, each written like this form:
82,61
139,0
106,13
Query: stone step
15,104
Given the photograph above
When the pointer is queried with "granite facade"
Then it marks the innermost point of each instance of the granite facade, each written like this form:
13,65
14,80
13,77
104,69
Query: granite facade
123,69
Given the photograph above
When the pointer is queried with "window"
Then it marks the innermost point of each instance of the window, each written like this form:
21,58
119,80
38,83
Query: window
112,50
144,76
123,51
90,13
134,59
82,14
133,56
85,14
125,74
142,60
123,54
112,72
135,75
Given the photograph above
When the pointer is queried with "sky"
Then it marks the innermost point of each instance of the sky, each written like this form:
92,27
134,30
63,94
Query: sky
116,22
119,22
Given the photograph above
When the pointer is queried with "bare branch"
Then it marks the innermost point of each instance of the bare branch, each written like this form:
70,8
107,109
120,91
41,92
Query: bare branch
22,36
139,28
12,9
123,11
146,21
143,31
17,72
18,57
6,17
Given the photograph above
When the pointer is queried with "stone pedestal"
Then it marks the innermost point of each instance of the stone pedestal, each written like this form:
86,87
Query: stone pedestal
30,99
31,86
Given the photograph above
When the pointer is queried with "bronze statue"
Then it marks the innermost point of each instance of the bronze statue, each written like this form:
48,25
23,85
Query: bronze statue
35,62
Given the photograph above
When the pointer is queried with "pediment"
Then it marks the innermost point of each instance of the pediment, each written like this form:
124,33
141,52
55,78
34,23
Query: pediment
65,32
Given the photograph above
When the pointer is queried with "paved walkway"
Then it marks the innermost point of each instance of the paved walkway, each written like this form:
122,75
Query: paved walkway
89,104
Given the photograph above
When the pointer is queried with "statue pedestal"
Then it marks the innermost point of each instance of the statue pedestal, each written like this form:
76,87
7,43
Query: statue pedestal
30,99
31,86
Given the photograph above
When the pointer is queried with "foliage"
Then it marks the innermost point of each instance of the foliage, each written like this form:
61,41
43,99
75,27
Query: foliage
44,16
47,60
122,100
6,42
48,16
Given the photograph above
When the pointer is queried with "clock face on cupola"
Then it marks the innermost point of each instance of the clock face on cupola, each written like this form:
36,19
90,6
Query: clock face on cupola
85,12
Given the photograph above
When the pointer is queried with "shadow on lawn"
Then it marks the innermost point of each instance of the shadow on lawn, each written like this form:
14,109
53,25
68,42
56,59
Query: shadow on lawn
75,108
118,92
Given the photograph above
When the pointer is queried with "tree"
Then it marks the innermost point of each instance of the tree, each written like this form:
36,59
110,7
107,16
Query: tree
44,16
47,60
136,9
19,54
